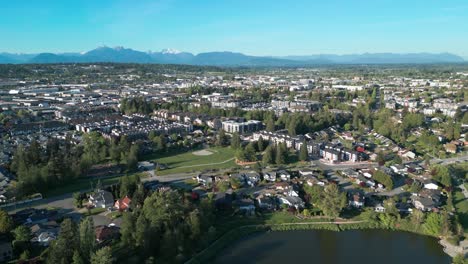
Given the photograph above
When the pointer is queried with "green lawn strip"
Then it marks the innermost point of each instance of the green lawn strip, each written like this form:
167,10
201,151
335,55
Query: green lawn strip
94,211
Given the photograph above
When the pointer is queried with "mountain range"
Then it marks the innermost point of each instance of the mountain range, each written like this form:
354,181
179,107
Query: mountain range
225,58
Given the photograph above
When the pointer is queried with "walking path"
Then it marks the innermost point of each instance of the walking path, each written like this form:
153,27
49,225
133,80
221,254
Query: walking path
206,164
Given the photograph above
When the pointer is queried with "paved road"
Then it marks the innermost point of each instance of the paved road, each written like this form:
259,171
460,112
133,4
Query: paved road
447,161
65,201
342,166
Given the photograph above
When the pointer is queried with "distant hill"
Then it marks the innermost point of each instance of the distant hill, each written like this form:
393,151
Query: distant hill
118,54
225,58
53,58
382,58
15,57
5,60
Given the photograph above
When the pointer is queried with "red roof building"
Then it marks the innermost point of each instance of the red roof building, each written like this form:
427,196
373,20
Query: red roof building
123,204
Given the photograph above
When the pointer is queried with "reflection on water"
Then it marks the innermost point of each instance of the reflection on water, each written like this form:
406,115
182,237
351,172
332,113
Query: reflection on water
328,247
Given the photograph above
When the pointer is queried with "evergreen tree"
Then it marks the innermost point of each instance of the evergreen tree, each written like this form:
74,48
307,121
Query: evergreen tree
63,248
261,144
281,154
6,223
77,259
127,230
332,201
303,153
270,125
87,237
269,155
102,256
235,141
222,139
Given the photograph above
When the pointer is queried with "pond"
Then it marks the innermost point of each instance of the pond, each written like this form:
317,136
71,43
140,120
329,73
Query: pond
329,247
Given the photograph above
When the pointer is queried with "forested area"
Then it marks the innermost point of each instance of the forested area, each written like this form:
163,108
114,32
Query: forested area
41,168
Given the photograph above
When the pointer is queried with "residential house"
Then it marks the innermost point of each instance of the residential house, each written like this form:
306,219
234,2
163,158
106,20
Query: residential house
123,204
223,200
284,175
451,148
379,208
106,233
305,172
267,202
101,199
356,200
245,205
431,186
252,178
292,201
269,176
205,180
426,199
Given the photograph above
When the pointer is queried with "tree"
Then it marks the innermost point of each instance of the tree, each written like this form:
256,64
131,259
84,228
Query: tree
131,160
64,246
417,218
380,158
332,201
235,141
384,179
87,237
303,153
261,144
222,139
22,233
269,155
127,230
270,125
235,183
22,238
194,224
442,175
78,199
459,259
433,224
77,259
281,154
250,152
6,223
160,142
387,220
102,256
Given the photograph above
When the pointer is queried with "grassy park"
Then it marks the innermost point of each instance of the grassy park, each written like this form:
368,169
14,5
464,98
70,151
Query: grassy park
197,160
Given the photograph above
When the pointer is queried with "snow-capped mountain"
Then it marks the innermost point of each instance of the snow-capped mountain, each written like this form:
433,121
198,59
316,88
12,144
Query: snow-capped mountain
170,51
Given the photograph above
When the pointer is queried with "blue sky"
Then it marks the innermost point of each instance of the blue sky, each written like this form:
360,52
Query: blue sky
255,27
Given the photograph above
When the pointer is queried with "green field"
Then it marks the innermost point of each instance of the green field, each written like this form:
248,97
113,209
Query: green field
222,158
461,206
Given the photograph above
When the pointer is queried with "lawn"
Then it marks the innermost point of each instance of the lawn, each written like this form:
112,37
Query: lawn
222,158
83,184
461,206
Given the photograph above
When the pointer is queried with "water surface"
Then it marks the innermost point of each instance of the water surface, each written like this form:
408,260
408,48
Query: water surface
329,247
